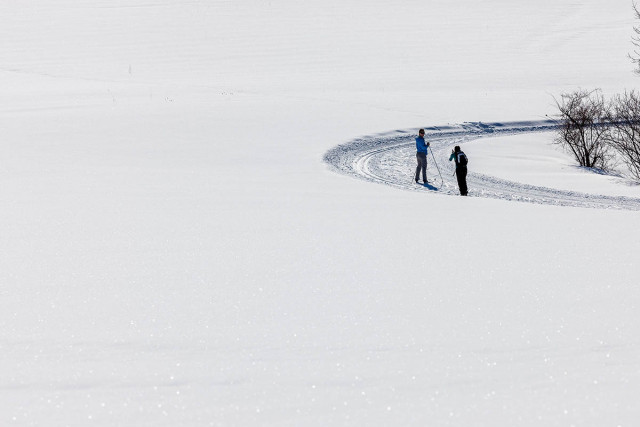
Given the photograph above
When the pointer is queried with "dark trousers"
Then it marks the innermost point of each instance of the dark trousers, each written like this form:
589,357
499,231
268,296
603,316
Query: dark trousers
422,166
461,174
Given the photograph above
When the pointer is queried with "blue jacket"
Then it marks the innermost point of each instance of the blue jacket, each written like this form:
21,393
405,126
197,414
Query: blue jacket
421,146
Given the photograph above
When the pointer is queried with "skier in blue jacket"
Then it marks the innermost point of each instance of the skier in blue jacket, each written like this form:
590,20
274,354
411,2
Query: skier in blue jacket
421,156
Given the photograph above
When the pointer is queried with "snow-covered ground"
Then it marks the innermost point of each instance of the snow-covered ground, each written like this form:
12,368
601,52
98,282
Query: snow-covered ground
387,159
176,251
533,158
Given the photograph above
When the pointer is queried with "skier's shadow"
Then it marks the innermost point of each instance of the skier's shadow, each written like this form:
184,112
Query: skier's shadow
430,187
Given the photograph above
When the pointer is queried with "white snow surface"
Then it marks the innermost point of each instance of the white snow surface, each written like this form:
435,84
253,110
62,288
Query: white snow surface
176,251
387,159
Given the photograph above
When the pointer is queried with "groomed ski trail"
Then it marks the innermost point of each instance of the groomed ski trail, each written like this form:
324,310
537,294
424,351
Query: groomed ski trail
390,159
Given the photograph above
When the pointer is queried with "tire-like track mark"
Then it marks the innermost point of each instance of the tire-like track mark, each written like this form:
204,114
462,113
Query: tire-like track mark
390,159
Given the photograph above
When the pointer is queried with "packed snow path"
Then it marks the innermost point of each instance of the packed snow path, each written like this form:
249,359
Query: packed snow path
390,159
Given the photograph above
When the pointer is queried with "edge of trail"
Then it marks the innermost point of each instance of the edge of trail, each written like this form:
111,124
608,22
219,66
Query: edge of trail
387,158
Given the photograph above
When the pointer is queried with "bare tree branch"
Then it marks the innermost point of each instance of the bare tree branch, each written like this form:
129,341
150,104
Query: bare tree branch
584,128
635,40
624,116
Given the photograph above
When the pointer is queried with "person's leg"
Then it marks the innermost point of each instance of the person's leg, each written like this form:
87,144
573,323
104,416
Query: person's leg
460,178
424,169
463,182
422,166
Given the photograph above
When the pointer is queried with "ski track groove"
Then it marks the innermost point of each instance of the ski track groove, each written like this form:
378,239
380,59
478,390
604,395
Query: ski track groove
389,159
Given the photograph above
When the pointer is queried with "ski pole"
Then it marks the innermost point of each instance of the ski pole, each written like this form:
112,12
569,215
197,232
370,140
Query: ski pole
437,167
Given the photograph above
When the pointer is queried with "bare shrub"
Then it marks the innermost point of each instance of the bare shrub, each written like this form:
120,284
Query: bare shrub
635,39
584,127
624,116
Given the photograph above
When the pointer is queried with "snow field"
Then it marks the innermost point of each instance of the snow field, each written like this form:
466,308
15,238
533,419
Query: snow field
175,252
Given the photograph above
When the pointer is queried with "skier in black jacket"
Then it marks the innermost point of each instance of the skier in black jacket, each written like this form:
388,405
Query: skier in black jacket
461,168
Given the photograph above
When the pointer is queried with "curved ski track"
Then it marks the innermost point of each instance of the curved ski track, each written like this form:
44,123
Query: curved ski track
390,159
